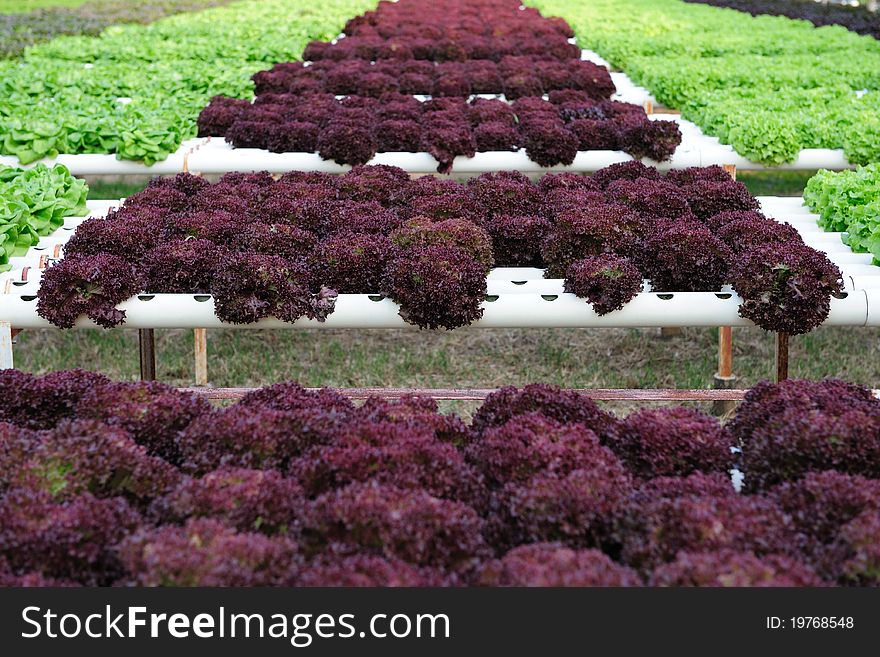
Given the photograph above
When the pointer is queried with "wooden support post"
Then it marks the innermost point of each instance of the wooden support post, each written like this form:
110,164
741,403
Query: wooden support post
649,107
781,357
147,344
200,348
5,346
724,378
725,352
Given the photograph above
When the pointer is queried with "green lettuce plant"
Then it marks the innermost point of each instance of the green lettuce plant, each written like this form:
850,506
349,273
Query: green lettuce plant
136,90
769,86
33,204
849,202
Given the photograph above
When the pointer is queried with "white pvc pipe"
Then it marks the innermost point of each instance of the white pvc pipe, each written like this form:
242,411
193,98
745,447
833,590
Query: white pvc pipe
534,286
219,157
866,282
850,258
807,159
6,362
860,271
507,311
494,286
515,273
84,164
627,92
98,208
596,58
873,297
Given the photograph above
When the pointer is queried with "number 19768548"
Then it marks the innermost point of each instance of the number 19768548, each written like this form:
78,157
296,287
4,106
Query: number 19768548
810,623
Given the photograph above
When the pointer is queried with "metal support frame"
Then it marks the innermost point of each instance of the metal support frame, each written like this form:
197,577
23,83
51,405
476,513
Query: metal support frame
479,394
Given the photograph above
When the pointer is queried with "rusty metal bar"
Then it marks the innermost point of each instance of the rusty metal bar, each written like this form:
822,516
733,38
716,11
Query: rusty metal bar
724,378
725,352
479,394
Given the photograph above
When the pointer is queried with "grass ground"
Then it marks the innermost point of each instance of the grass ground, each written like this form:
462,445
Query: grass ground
465,358
585,358
775,183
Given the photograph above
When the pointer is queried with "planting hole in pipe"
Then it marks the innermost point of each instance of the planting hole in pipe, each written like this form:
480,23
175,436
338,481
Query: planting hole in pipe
146,297
19,283
491,297
549,297
375,297
28,297
665,297
201,298
519,282
723,295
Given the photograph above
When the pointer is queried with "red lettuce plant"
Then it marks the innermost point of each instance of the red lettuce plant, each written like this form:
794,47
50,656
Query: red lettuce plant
729,568
91,286
552,564
786,287
608,282
206,552
673,442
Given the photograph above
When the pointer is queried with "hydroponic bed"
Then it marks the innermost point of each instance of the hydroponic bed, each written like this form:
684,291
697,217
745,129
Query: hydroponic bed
517,297
214,155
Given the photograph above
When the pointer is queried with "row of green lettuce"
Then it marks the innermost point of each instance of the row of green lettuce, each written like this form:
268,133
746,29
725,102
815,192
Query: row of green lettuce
19,31
136,90
849,202
21,6
767,85
33,204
